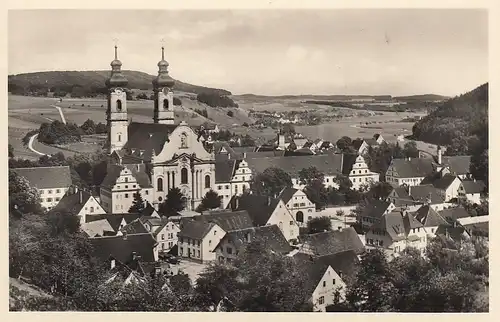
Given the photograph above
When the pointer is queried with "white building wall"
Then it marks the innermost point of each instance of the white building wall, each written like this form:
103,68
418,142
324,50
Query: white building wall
324,294
51,197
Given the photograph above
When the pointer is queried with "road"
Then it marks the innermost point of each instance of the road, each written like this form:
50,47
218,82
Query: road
60,113
30,144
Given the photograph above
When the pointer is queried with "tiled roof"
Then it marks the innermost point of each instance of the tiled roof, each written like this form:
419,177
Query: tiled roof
271,236
473,186
112,175
195,229
417,194
122,247
393,224
98,228
447,233
287,194
148,136
46,177
329,164
113,219
260,208
414,168
227,220
429,217
114,171
348,162
72,203
481,229
454,213
458,164
444,182
217,147
376,208
333,242
224,170
135,227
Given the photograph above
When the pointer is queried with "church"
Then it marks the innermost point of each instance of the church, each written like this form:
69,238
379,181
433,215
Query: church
152,158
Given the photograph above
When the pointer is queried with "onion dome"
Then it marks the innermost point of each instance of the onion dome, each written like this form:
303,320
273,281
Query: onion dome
116,78
163,79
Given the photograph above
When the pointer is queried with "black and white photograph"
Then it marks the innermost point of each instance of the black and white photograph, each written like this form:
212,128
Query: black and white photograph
248,160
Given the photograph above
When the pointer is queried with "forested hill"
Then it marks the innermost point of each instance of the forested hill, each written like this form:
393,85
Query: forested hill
92,80
458,122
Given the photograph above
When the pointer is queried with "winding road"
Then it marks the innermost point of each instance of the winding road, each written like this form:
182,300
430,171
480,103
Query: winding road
30,145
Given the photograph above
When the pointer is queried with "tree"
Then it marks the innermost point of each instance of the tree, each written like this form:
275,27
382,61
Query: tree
479,167
230,113
22,197
288,129
258,280
344,142
314,188
89,127
270,182
343,182
11,151
379,190
319,224
211,200
410,150
138,204
174,202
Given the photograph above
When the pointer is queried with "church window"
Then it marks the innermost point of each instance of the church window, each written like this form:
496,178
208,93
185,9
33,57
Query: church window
119,105
184,176
207,181
159,184
184,140
119,137
165,104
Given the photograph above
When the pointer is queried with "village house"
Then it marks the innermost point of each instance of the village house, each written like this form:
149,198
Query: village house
396,231
51,182
430,219
164,230
234,242
332,242
363,145
122,181
267,211
301,208
226,219
326,276
107,224
413,197
232,178
457,165
374,211
79,203
471,191
197,240
410,171
446,183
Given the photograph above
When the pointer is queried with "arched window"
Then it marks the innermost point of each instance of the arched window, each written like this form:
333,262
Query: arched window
184,140
165,104
119,137
159,184
119,105
299,216
207,181
184,176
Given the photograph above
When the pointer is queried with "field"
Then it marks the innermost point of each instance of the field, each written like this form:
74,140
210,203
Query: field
27,113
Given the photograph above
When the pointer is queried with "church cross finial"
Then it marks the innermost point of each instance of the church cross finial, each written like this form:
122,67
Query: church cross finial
116,47
162,49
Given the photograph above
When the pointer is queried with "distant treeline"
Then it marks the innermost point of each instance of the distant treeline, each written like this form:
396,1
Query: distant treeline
410,106
59,133
216,100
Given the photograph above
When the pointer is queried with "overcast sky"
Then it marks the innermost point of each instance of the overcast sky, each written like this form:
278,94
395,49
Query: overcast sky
376,51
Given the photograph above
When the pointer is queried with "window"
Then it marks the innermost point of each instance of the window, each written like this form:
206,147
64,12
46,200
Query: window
324,283
162,237
333,281
198,242
322,300
299,216
160,199
49,199
126,180
199,254
170,244
41,192
91,209
281,225
147,192
184,176
207,181
215,232
227,186
57,199
58,190
209,243
302,204
165,104
119,105
184,140
126,196
50,191
119,137
219,187
159,184
134,186
229,250
126,186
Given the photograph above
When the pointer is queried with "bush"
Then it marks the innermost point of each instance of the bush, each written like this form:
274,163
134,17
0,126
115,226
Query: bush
245,124
230,113
28,135
59,133
177,101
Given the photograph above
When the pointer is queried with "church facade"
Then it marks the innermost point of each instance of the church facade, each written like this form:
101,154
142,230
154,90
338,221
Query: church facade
160,155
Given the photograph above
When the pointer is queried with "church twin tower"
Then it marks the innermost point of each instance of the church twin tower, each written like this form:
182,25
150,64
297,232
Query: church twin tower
116,114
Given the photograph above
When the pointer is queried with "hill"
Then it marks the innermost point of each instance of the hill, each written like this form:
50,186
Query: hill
460,122
421,98
66,80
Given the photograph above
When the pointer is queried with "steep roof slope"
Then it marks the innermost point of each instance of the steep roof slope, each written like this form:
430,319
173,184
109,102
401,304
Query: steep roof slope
46,177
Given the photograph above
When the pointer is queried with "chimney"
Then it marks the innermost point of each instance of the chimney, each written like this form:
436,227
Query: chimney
268,201
244,155
440,155
124,235
113,263
81,196
134,256
141,153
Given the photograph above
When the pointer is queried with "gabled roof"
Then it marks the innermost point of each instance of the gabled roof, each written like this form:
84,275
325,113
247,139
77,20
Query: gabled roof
135,227
418,194
218,147
348,162
458,164
46,177
454,213
224,170
270,235
114,171
98,228
195,229
113,219
473,186
376,208
448,232
393,224
149,211
413,168
122,247
445,181
287,193
329,164
72,202
333,242
227,220
260,208
429,217
478,229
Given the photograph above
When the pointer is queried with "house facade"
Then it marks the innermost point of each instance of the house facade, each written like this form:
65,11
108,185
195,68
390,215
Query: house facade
471,191
164,230
197,240
410,172
51,182
79,203
298,204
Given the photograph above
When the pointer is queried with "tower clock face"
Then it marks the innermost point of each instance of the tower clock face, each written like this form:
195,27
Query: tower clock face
118,91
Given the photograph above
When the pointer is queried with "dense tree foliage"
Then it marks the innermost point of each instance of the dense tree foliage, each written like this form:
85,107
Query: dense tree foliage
138,204
211,200
270,182
216,100
173,203
319,224
59,133
314,188
90,127
11,151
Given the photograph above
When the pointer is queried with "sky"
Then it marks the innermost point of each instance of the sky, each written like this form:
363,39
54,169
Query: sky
267,52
